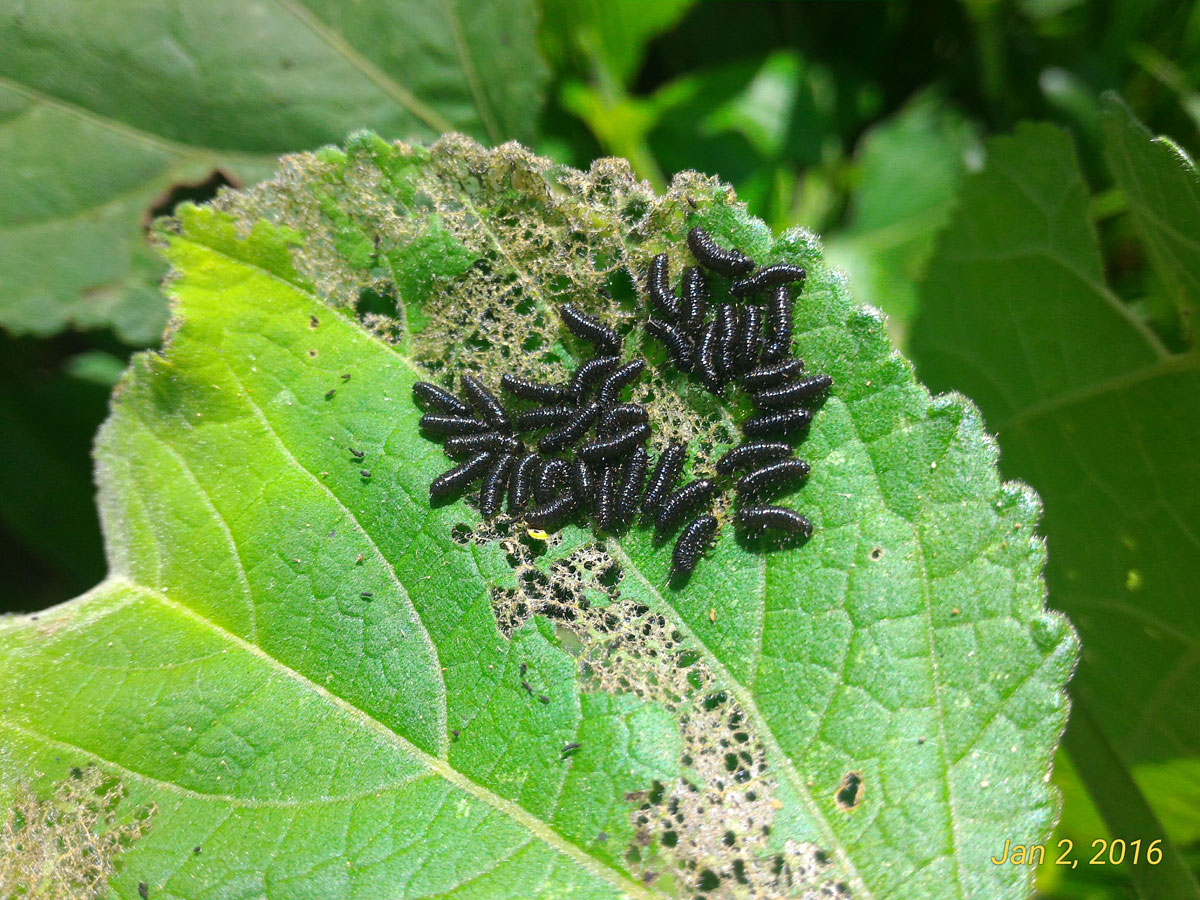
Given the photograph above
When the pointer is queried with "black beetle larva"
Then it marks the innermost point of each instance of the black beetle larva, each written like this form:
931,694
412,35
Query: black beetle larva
792,393
711,256
606,341
777,518
773,476
520,482
779,316
662,480
618,379
681,502
658,287
568,434
694,538
752,453
440,400
590,372
693,307
495,482
529,389
777,424
457,480
771,374
489,441
443,424
552,515
766,277
679,345
543,417
632,480
615,447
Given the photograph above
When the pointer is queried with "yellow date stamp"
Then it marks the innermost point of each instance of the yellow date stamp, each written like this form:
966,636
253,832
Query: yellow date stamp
1105,853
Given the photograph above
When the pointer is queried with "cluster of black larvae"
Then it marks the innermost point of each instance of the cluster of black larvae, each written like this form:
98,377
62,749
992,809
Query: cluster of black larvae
590,458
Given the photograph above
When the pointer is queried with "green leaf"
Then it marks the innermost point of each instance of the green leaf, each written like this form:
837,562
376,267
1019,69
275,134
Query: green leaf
910,167
1163,189
335,690
1093,411
104,109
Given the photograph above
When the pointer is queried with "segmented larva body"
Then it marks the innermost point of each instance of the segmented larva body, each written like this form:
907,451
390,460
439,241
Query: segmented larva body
772,374
622,416
783,423
553,515
589,373
773,518
615,447
658,287
681,502
439,400
553,476
771,477
694,305
520,482
583,481
706,359
444,424
765,278
605,509
606,341
495,482
679,345
486,403
529,389
633,478
693,540
543,417
779,314
662,480
571,432
458,479
466,445
792,393
726,327
618,379
752,454
711,256
749,338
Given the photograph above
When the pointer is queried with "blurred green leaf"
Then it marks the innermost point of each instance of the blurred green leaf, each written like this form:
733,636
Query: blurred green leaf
909,168
1094,412
104,107
1163,189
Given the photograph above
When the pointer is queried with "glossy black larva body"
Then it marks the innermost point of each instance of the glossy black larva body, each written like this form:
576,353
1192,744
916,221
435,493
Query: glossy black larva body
616,447
756,519
782,423
543,417
749,338
591,373
773,476
529,389
766,278
443,424
622,416
694,305
466,445
726,333
779,317
711,256
495,483
554,514
772,374
681,502
583,481
570,433
456,480
706,360
633,478
618,379
553,477
658,287
752,454
662,480
604,508
439,400
486,403
520,482
693,540
589,328
679,345
792,393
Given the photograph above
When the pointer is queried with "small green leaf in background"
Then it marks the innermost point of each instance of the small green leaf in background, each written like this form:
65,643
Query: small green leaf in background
308,683
1091,409
104,107
908,171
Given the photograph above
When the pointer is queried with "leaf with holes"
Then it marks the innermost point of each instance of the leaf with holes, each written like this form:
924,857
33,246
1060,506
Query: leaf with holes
310,683
111,111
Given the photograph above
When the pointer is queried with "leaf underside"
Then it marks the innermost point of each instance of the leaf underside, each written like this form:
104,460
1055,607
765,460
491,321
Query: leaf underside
333,690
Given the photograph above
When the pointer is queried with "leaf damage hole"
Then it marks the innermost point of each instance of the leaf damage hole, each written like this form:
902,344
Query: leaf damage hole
197,192
849,792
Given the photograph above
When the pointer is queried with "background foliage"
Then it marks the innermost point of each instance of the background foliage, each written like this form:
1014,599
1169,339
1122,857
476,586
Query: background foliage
1048,270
